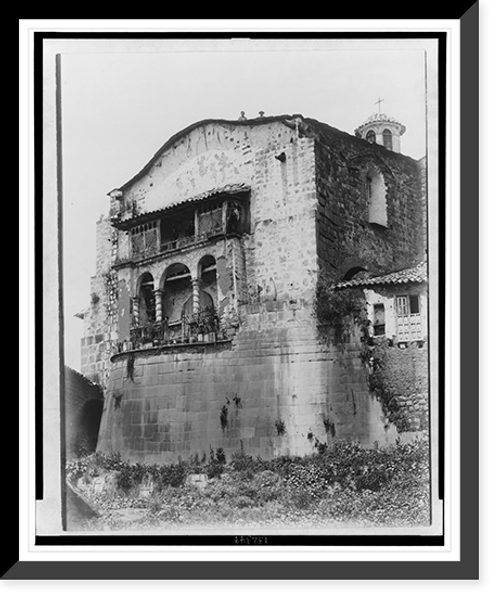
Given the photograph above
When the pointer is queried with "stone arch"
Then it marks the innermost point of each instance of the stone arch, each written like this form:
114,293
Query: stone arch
145,297
376,197
177,286
371,136
207,282
206,262
353,265
145,276
355,272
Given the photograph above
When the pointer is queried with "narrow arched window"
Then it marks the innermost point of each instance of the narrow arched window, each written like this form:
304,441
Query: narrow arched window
376,198
370,136
387,138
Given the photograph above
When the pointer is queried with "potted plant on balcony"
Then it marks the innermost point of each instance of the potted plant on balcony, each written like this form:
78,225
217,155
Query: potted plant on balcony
211,323
147,336
198,326
192,329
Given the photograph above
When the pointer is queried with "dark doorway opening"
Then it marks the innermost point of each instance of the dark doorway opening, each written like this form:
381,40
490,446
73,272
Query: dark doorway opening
88,427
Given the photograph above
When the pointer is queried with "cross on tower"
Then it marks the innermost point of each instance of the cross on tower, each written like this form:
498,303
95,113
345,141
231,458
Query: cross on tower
379,101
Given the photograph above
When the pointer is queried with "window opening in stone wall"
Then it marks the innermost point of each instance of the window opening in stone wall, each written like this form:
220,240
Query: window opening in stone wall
370,136
408,304
402,305
145,239
146,300
408,317
376,198
378,319
387,138
414,304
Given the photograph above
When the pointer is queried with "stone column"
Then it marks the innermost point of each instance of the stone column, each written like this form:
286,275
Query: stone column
158,304
135,311
196,295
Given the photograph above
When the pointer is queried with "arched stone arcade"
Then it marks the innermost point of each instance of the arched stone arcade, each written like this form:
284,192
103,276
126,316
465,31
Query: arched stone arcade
178,304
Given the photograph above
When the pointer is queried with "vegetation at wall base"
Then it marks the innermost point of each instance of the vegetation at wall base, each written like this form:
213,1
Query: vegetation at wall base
345,485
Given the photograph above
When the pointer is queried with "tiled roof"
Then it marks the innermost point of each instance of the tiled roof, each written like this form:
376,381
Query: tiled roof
228,189
415,274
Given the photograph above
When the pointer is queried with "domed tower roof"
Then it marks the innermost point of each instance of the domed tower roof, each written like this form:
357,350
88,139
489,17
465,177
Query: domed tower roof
381,129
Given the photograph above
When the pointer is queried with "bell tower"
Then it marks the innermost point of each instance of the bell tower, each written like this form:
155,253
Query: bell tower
382,129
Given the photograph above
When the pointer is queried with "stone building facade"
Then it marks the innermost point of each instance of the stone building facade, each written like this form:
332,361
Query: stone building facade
203,326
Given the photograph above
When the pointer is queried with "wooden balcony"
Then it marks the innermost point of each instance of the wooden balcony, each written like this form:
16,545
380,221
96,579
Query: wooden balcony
203,327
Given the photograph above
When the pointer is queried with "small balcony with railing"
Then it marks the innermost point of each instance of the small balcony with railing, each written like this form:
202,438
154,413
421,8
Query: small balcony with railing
179,228
183,310
198,328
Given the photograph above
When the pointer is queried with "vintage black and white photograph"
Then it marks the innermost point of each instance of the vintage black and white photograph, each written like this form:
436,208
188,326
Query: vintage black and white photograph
248,252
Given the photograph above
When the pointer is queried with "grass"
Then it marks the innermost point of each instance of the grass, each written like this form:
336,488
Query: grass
345,485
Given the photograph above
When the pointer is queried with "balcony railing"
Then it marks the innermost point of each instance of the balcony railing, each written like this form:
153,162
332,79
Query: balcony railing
162,235
199,327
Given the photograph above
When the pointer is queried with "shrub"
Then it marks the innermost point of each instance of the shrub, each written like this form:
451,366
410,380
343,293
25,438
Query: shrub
306,478
220,456
370,469
268,484
347,483
130,476
108,462
339,309
243,501
92,464
301,498
280,427
246,464
214,469
223,417
170,475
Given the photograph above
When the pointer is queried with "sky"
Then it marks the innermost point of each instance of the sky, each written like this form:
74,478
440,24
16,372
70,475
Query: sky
122,100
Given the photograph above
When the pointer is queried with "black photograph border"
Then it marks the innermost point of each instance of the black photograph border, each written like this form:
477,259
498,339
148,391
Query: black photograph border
468,565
